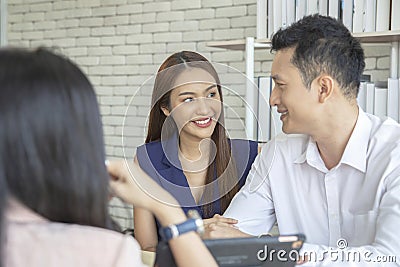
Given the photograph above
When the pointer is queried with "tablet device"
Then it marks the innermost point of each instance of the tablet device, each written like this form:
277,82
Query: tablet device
275,251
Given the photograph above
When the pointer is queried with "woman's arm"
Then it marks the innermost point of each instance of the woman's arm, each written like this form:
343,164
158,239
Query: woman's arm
145,226
145,229
134,186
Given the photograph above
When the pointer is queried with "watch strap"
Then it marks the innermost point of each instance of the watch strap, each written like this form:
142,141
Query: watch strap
173,231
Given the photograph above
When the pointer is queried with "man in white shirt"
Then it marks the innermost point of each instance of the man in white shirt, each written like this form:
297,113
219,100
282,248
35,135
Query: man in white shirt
338,179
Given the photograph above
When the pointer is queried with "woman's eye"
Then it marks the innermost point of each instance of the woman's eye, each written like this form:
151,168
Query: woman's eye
213,94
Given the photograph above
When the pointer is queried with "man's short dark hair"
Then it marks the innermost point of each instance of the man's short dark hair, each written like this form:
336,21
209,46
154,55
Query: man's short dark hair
323,45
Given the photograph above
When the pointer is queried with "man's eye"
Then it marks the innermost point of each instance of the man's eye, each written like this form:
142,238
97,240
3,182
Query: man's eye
187,100
211,94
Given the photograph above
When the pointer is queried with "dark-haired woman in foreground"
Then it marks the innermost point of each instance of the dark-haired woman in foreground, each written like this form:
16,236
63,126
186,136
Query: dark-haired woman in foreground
52,158
2,202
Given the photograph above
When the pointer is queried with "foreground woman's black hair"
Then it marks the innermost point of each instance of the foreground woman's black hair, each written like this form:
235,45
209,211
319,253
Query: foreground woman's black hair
51,143
2,203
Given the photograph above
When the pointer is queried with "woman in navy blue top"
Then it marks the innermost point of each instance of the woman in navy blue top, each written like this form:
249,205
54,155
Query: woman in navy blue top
187,151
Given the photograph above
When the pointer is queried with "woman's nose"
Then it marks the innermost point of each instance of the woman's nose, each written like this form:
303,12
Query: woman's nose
203,106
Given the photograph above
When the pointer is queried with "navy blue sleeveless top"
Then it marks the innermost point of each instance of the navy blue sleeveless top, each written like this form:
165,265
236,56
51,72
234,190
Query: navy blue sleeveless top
160,161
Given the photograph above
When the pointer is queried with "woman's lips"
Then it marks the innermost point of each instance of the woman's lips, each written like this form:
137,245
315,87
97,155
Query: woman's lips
203,123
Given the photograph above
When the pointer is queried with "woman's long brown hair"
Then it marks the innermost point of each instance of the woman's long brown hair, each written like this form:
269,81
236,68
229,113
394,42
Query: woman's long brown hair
224,165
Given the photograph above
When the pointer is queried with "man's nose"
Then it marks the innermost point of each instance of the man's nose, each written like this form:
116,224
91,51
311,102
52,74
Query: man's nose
274,99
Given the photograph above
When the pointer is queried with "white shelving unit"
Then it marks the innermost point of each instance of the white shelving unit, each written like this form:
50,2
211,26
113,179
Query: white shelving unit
250,44
3,22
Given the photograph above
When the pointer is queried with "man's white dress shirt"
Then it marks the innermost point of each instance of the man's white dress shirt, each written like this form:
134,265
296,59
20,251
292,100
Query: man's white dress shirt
357,201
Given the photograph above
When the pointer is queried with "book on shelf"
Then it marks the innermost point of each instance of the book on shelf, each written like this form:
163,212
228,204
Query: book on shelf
270,24
369,19
333,8
263,109
383,15
290,11
284,14
395,17
358,15
346,13
262,19
301,9
380,99
362,91
312,7
370,98
362,95
268,123
277,15
323,7
393,98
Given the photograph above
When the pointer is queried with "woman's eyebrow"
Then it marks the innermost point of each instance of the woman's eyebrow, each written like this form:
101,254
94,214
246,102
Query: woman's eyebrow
210,87
186,93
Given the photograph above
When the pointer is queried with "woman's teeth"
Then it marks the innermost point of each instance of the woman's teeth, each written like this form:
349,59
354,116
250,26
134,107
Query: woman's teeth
203,121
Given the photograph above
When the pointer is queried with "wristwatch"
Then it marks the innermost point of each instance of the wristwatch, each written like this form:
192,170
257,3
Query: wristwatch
194,223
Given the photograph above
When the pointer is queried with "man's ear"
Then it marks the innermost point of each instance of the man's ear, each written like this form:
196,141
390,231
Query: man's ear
325,85
166,111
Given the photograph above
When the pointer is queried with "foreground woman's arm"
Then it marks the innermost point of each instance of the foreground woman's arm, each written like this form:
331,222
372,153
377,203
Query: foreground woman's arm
145,226
134,186
145,229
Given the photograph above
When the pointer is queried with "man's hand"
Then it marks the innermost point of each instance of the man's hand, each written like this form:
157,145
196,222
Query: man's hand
222,230
218,218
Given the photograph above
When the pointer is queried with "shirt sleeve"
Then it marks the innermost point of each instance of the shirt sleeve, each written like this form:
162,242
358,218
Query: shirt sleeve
253,206
129,254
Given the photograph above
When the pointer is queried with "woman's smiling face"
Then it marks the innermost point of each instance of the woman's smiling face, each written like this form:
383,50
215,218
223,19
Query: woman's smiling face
195,104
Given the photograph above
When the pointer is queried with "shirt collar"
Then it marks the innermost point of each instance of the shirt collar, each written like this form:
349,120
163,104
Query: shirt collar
355,153
17,212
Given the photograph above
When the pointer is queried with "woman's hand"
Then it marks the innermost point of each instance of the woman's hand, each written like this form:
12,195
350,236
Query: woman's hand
134,186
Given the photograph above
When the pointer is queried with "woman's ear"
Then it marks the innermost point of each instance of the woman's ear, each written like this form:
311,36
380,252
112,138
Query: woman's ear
166,111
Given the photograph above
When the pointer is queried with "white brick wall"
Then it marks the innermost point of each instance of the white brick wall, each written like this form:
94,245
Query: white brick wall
120,43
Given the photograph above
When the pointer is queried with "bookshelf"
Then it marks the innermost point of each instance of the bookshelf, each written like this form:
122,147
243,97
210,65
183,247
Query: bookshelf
364,37
240,44
378,37
3,22
358,15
